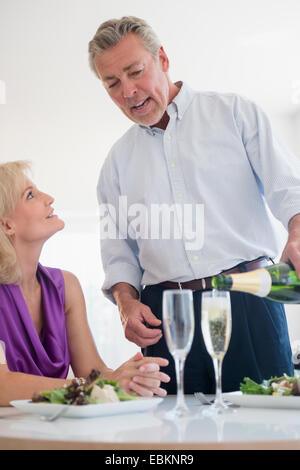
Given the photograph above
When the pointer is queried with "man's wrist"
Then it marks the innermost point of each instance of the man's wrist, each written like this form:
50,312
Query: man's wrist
122,304
294,225
123,291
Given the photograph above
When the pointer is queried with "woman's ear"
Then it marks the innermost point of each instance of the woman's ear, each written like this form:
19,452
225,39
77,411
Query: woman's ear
7,226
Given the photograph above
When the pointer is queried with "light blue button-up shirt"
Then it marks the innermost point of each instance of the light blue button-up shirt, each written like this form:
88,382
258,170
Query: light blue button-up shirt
219,154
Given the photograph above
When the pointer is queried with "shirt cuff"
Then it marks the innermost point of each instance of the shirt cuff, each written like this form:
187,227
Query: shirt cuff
121,272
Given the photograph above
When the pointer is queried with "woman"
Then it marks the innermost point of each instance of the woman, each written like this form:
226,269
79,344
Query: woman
43,323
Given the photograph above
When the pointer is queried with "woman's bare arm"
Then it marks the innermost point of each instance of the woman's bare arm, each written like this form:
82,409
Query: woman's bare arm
138,374
83,351
19,386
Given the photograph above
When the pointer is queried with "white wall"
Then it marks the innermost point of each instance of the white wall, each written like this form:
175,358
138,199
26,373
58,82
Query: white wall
58,115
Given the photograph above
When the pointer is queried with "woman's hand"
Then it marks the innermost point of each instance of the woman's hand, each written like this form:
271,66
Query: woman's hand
140,375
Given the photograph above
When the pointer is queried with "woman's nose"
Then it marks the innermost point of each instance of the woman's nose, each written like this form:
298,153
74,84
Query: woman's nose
48,199
51,199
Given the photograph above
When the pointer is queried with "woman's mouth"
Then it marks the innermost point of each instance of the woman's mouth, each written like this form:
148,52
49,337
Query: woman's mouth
51,215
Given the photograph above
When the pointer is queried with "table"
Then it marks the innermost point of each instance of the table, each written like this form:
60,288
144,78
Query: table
246,428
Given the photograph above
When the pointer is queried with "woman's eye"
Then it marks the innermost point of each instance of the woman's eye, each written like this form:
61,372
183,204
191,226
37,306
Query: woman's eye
29,195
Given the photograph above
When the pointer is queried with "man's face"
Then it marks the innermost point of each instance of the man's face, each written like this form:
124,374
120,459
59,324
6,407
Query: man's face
134,80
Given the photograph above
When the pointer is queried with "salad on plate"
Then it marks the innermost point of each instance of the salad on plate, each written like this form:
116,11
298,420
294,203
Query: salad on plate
95,390
275,386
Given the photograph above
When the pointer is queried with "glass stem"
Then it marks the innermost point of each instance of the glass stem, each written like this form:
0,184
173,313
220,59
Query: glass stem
218,374
179,366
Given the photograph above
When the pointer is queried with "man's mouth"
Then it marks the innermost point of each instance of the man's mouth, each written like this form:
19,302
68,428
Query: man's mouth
142,104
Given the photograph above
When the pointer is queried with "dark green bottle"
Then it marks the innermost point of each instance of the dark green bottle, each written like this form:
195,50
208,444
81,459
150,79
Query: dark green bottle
278,282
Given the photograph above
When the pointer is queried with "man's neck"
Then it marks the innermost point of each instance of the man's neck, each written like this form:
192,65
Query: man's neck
163,123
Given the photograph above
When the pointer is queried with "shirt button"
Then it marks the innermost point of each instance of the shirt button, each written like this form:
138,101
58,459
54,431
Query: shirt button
179,195
179,116
173,165
169,137
196,258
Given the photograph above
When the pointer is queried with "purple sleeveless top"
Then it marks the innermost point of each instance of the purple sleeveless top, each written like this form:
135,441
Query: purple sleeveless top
25,350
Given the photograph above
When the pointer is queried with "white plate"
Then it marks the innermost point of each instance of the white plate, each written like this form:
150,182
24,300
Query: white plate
88,411
263,401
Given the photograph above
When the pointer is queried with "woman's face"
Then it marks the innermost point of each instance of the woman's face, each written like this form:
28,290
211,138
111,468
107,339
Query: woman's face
34,219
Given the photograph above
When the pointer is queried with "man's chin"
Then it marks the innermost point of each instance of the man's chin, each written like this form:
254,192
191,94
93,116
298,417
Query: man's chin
148,119
144,120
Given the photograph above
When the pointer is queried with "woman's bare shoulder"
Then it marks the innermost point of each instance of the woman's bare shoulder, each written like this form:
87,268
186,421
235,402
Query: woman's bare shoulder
69,277
73,290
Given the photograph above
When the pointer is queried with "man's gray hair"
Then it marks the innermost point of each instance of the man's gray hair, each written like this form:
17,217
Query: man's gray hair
111,32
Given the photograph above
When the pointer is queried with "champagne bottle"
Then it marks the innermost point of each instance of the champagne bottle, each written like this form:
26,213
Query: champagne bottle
278,282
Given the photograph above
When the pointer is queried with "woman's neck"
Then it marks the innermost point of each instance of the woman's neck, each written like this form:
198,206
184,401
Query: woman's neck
28,259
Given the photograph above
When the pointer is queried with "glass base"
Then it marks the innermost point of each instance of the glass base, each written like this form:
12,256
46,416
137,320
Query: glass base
178,412
217,409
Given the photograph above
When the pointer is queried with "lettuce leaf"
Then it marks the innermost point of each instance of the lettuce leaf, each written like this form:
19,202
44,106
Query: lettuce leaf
252,388
56,395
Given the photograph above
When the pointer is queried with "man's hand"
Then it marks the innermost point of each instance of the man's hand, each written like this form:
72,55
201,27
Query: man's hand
134,315
291,252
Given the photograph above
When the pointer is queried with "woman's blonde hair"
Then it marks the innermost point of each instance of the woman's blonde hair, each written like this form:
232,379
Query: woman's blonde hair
12,183
111,32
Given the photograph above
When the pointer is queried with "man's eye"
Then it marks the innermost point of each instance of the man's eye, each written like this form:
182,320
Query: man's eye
112,85
137,72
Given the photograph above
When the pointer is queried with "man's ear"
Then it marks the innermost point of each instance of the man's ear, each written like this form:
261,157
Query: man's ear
7,226
163,58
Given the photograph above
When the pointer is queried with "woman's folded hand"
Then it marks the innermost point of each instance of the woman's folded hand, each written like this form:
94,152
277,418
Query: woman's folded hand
141,375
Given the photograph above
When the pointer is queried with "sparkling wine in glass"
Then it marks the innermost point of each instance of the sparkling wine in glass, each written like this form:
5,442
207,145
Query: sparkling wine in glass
178,324
216,329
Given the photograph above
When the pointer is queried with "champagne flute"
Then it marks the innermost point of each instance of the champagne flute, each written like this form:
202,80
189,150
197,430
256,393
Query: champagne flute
178,324
216,329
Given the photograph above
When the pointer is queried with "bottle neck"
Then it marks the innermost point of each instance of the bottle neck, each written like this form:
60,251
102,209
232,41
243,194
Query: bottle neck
222,282
256,282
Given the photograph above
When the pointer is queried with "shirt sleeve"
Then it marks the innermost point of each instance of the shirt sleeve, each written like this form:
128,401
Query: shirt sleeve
275,167
119,253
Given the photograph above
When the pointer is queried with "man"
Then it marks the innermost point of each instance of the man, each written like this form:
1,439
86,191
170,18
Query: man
192,149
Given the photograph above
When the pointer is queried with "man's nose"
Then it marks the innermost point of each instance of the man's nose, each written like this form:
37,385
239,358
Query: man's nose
129,89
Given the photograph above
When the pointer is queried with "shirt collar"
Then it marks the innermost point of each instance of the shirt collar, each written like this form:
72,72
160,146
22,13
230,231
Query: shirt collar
179,105
181,101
